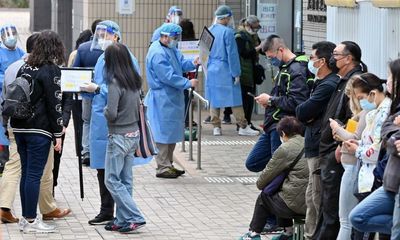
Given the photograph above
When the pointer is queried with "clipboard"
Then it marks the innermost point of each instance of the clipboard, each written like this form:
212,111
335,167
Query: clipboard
73,78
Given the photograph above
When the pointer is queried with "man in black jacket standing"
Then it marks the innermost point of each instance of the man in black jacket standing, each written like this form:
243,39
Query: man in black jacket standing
310,113
347,58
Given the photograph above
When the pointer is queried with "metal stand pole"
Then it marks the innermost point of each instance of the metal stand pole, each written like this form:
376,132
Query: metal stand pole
199,134
190,125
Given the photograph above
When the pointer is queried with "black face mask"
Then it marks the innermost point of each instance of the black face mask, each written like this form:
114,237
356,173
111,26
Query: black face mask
332,64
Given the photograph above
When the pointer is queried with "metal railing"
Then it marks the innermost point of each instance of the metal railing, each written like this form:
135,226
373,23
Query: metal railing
194,95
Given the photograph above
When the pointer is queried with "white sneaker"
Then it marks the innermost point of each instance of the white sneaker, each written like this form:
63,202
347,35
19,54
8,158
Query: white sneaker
217,131
248,131
38,226
22,223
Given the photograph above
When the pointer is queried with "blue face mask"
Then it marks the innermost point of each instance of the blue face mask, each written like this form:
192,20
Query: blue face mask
276,62
366,105
10,43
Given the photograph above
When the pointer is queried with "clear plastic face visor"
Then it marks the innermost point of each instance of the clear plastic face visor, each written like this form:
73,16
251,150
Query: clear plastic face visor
9,36
103,37
231,22
174,38
176,16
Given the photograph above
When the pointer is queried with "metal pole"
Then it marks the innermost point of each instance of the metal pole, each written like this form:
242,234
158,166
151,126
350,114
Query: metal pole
199,134
190,125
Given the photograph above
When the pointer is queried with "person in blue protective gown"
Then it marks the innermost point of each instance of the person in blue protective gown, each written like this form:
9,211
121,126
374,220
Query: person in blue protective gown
9,52
223,76
107,33
165,99
174,16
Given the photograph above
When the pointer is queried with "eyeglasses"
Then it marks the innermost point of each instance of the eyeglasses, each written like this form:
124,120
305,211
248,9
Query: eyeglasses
339,54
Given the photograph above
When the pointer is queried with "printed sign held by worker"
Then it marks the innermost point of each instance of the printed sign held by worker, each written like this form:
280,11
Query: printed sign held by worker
205,44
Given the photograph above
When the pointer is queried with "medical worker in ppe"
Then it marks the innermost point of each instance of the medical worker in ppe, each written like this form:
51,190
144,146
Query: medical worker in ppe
107,33
165,100
9,52
223,77
174,16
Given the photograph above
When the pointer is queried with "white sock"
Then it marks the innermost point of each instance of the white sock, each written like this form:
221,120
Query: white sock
252,234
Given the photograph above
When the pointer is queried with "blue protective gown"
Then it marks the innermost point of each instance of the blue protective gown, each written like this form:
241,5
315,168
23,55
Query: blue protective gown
98,123
223,66
165,99
7,57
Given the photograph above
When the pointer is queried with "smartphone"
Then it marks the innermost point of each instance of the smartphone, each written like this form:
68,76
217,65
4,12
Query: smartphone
250,94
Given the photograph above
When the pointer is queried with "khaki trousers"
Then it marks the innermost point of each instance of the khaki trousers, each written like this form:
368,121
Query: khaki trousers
238,113
12,175
164,158
313,197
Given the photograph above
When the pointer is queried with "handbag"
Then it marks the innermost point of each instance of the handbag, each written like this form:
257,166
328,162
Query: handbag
276,184
259,73
147,146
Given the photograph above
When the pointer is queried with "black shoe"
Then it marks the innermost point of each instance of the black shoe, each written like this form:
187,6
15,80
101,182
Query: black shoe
110,226
180,172
86,159
168,174
227,120
207,120
101,220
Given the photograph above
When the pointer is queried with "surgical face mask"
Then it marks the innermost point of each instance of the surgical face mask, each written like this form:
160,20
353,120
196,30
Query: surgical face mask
173,44
367,105
105,44
313,70
10,43
281,138
175,19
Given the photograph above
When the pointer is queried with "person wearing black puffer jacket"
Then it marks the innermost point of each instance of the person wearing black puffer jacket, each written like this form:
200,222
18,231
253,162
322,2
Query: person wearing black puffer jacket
35,134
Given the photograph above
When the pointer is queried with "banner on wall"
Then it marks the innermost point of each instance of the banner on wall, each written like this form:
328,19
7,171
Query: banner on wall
266,13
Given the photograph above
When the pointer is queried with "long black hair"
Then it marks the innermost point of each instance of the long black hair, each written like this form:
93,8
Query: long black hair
119,67
187,30
394,67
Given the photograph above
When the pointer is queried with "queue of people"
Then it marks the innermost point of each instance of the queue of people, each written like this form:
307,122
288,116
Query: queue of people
350,125
328,153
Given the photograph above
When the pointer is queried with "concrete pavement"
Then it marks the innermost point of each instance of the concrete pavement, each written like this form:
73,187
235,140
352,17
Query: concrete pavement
213,203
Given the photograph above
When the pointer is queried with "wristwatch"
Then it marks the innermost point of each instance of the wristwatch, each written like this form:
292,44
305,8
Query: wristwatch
97,91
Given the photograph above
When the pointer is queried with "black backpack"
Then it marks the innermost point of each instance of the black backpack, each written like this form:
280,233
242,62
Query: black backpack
17,100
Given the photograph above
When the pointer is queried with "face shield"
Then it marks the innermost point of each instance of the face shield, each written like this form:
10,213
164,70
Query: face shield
226,20
9,36
173,38
103,37
176,16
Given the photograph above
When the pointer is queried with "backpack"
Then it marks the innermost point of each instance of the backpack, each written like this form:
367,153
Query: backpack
17,101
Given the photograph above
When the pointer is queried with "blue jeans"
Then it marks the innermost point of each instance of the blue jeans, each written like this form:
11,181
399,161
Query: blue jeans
86,115
262,151
33,149
118,177
347,201
374,213
396,218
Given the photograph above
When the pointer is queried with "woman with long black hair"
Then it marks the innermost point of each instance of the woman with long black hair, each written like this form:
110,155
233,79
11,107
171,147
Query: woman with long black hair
122,114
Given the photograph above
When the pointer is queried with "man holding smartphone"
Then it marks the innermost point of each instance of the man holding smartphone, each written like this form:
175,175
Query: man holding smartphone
290,90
